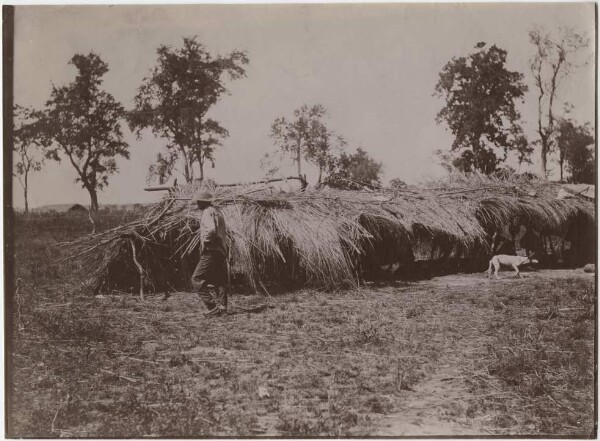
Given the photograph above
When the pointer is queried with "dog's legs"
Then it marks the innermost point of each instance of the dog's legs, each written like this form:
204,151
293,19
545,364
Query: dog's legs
516,268
496,269
489,270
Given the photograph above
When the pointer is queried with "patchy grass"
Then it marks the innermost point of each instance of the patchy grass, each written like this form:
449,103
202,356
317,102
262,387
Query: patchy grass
542,352
119,367
519,352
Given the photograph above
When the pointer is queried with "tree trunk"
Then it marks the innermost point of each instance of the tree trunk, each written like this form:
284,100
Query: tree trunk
320,174
93,198
561,163
298,159
186,167
186,172
476,166
540,129
25,187
544,160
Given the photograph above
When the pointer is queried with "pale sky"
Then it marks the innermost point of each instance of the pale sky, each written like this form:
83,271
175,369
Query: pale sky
372,66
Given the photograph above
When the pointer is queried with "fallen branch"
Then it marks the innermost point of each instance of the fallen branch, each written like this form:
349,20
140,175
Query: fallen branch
213,360
560,404
131,380
55,305
139,267
139,359
54,419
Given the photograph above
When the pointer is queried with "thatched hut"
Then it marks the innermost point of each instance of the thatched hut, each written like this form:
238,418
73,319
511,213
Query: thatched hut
77,209
324,237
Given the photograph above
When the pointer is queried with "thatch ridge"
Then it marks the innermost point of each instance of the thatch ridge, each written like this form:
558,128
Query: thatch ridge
319,236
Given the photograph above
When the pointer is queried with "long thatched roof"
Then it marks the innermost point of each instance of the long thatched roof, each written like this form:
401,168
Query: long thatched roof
320,235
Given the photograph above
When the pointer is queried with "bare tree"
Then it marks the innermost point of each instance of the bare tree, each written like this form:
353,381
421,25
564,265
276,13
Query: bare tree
555,59
28,146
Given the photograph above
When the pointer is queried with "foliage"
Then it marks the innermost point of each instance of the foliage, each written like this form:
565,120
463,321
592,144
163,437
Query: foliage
573,143
322,150
83,123
354,171
306,136
480,111
174,102
28,145
554,60
397,183
445,160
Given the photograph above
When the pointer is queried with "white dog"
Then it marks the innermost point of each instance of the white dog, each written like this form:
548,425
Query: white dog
504,260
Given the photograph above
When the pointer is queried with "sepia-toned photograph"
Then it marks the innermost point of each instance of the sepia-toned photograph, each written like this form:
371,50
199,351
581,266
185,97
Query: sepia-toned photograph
300,220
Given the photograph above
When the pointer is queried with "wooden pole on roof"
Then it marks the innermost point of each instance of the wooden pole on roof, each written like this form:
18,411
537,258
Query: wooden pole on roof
158,188
266,181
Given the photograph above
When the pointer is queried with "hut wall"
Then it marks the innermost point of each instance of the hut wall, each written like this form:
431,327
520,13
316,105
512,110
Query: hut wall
582,235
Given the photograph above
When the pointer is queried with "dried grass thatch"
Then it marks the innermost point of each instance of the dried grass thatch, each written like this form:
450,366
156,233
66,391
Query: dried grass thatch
321,237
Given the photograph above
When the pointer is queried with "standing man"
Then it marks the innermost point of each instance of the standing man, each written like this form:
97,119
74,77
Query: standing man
210,276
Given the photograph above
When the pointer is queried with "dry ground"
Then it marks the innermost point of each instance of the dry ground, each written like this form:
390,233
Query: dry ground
456,355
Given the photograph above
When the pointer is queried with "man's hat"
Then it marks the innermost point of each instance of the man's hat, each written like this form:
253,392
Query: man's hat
204,197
